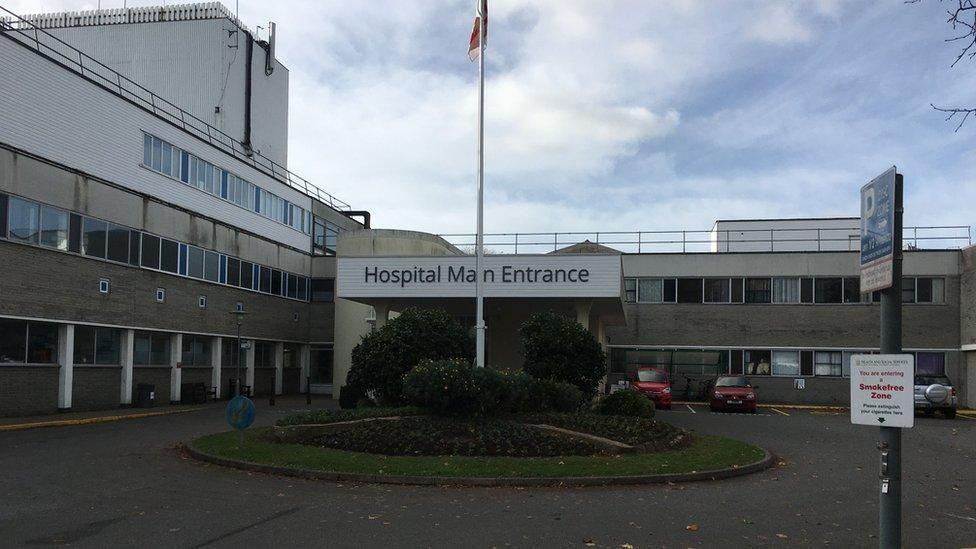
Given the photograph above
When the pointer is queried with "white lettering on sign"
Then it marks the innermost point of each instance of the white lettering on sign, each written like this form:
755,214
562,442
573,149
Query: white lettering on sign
882,390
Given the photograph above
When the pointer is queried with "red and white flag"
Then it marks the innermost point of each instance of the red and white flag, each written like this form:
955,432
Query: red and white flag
476,42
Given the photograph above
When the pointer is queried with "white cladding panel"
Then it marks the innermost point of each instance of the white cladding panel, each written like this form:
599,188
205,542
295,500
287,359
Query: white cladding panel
506,276
55,114
786,235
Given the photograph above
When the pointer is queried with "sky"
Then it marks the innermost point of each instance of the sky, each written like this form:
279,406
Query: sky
620,115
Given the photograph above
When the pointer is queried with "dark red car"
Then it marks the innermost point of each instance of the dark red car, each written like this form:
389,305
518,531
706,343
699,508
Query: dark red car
655,384
733,393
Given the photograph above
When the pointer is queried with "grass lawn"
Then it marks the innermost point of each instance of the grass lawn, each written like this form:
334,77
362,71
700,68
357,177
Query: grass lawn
705,453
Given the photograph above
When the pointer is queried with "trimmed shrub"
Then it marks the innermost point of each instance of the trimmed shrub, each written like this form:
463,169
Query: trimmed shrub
381,359
559,348
530,395
349,396
625,403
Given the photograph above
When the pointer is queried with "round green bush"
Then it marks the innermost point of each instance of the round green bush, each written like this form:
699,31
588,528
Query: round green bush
454,388
625,403
557,347
381,359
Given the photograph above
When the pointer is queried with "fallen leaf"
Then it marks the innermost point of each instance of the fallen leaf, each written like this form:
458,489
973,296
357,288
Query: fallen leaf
782,536
692,527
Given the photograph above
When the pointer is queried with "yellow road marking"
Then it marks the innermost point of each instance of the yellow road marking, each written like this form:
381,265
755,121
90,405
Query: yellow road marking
89,420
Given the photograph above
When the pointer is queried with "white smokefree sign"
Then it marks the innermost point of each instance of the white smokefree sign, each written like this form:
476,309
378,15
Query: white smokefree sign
882,390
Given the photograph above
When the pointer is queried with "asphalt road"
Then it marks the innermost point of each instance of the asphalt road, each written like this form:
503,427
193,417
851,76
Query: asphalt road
125,484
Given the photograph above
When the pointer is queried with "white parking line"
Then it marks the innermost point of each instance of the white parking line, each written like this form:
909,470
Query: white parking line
779,412
690,408
965,416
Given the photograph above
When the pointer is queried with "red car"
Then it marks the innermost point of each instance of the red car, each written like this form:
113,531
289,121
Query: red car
733,393
655,384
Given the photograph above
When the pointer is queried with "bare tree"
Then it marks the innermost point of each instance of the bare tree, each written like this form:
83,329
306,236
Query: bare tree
962,18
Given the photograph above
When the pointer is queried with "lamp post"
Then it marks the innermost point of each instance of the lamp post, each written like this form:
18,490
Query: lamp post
240,312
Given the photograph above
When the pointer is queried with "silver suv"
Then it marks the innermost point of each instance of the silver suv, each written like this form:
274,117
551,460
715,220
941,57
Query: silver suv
935,393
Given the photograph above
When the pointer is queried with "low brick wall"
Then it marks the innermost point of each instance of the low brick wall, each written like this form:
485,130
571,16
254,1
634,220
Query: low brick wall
28,390
291,381
96,388
158,376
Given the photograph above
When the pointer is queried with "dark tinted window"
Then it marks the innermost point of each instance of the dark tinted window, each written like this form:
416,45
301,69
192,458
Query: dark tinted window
292,286
737,290
150,251
302,288
134,247
42,343
107,346
759,290
717,290
323,289
212,266
13,339
118,243
170,256
828,290
3,215
806,290
265,280
689,290
852,289
93,240
84,345
233,272
276,282
670,290
74,233
247,275
194,265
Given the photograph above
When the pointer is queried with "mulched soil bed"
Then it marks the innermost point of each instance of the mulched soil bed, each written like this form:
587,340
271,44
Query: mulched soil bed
647,434
435,436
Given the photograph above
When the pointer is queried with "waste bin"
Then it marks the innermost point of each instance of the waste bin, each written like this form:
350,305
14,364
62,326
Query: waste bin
145,395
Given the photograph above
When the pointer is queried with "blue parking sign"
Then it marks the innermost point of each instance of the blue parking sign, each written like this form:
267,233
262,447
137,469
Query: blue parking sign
877,232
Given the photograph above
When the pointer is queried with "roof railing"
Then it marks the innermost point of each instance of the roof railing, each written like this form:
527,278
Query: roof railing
47,45
725,240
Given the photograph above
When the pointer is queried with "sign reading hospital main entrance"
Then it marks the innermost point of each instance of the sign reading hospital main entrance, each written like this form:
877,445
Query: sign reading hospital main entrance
504,276
877,232
882,390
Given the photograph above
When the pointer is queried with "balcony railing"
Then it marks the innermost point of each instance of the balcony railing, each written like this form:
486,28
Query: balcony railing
732,240
28,34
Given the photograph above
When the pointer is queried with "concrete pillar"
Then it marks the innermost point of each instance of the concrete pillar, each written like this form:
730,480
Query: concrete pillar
249,362
305,360
126,351
583,307
217,363
66,365
279,364
382,314
175,368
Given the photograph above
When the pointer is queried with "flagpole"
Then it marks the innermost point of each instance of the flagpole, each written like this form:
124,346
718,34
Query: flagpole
479,245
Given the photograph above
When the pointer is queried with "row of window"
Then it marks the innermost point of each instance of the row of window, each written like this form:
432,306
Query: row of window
755,362
773,290
174,162
32,223
29,342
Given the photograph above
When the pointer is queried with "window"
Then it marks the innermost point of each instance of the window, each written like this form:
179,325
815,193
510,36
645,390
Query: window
852,289
4,202
118,243
786,290
829,363
650,290
265,279
689,290
292,286
211,266
276,282
303,288
320,364
737,296
264,352
233,271
908,290
230,353
670,290
13,340
194,267
196,351
930,290
94,239
717,290
160,295
99,346
828,290
630,290
202,302
756,362
54,228
103,285
150,251
806,290
247,275
42,343
930,364
150,349
290,358
758,290
169,256
134,243
23,220
323,289
786,363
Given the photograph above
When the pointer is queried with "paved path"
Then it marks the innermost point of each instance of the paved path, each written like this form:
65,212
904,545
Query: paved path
123,483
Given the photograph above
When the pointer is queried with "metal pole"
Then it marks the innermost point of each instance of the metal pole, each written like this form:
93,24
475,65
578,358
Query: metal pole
479,251
889,517
238,355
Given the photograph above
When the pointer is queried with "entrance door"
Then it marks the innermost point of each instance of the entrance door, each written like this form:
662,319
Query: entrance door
320,369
